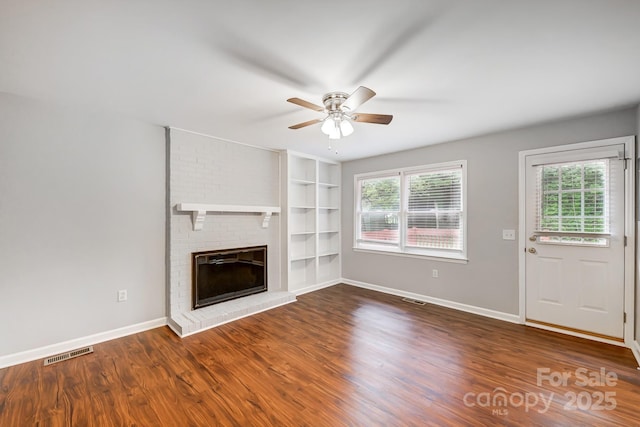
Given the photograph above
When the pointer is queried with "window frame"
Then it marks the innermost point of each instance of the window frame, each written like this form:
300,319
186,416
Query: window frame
401,248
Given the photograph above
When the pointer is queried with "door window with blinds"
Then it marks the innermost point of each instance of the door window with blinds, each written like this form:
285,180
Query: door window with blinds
417,211
573,203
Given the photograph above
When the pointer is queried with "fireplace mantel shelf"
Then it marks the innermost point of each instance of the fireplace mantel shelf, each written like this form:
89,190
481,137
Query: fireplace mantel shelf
199,211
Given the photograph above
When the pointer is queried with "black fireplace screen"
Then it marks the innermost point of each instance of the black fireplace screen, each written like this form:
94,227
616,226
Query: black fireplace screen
227,274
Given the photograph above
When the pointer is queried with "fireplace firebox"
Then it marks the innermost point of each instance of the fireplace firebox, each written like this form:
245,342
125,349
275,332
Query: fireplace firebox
223,275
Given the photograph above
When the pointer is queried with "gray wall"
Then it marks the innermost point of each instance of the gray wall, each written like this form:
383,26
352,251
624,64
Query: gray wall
637,314
81,216
490,279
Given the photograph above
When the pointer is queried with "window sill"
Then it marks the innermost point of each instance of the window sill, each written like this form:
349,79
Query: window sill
444,257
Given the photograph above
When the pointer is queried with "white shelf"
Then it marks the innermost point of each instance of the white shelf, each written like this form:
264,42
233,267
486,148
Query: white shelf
199,211
328,173
329,254
328,185
303,258
312,230
302,182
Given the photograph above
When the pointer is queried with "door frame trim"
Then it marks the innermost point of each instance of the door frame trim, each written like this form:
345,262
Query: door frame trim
629,224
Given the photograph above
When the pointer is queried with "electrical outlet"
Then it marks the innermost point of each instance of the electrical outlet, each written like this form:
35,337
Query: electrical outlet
122,295
508,234
434,273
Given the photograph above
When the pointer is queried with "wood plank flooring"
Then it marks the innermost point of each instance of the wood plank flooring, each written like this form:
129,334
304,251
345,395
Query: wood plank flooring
338,356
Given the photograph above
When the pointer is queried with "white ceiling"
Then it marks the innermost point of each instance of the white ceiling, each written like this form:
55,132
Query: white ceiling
445,69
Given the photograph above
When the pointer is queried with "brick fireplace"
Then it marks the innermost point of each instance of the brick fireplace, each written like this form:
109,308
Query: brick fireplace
211,171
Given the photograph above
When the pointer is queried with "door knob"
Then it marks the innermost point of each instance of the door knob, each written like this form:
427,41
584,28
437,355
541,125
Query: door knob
532,250
533,238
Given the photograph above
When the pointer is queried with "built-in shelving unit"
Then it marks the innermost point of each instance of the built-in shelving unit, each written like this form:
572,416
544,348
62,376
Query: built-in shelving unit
311,189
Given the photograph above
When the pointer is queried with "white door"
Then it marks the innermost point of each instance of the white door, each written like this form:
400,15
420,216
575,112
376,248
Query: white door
574,258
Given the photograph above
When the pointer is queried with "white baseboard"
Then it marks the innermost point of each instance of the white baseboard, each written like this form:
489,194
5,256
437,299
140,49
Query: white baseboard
316,287
50,350
507,317
635,348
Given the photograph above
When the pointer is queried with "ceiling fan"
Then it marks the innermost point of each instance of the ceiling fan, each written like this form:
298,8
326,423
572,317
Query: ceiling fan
339,109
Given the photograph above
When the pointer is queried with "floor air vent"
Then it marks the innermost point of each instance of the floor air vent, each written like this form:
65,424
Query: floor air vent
413,301
68,355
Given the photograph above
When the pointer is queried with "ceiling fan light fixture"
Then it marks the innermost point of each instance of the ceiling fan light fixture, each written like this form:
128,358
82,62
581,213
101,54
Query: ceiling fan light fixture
346,128
339,107
335,131
328,126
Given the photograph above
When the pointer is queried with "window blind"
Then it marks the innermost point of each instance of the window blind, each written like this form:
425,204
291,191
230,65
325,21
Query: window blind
414,211
571,198
434,209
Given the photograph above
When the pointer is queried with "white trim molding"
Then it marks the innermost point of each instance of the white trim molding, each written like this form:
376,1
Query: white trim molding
230,141
50,350
499,315
635,349
317,287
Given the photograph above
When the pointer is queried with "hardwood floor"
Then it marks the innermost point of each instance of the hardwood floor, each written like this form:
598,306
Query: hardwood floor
338,356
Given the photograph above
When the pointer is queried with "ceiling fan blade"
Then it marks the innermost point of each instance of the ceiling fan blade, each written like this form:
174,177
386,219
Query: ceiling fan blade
305,104
411,100
381,119
264,60
390,41
357,98
303,124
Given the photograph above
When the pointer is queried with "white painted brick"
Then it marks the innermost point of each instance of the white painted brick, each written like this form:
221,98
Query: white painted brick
206,170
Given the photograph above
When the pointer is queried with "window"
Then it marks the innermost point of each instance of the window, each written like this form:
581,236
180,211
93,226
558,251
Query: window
416,211
573,202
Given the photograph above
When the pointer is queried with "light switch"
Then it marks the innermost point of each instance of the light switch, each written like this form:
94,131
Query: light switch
508,234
